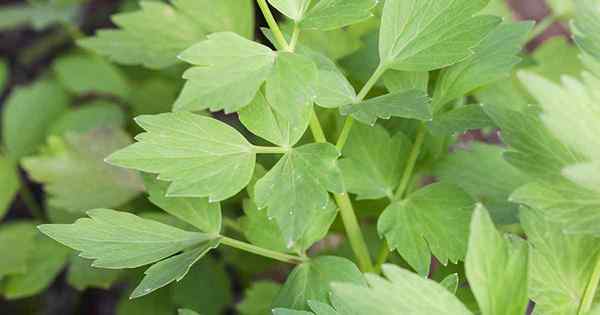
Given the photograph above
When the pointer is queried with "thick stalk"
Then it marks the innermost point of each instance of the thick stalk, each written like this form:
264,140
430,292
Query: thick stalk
264,7
590,291
291,259
316,129
355,236
295,36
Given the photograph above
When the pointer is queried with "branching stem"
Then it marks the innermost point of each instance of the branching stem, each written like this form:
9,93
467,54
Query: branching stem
264,7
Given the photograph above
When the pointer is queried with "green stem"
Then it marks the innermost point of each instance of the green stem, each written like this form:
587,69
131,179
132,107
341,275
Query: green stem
232,224
411,162
590,291
316,129
359,98
264,7
295,36
384,253
270,150
355,236
30,202
291,259
541,26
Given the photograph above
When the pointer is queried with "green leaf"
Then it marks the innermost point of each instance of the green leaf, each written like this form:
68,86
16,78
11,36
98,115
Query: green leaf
499,8
555,58
459,120
496,268
294,9
44,264
263,119
433,220
198,212
75,176
90,116
402,293
258,298
154,96
560,265
183,311
10,184
81,275
18,239
24,132
413,104
374,161
419,35
83,74
4,73
159,303
586,27
220,16
334,14
450,283
298,185
483,173
228,71
312,281
171,269
200,156
504,93
290,88
398,81
492,60
334,90
561,8
118,240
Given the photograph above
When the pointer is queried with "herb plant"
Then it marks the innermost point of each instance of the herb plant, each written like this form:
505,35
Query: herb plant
331,141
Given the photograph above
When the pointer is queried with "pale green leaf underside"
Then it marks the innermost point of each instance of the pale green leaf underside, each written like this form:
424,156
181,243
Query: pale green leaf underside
118,240
419,35
200,156
433,220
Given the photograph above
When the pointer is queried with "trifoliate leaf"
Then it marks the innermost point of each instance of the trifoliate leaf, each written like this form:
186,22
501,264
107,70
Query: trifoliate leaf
402,293
118,240
312,281
483,173
421,35
298,185
75,176
412,104
496,268
294,9
262,119
171,269
44,264
334,14
18,239
258,298
198,212
200,156
81,275
560,265
374,161
586,27
24,132
228,71
82,74
290,88
89,116
433,220
141,40
398,81
10,184
459,120
492,60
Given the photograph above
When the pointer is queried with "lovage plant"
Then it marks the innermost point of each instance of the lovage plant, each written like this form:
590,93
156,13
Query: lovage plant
339,131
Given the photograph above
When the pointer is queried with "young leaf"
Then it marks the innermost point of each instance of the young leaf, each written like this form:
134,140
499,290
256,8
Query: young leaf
81,275
333,14
294,9
560,265
24,132
373,161
262,119
412,104
421,35
459,120
492,60
75,175
18,239
496,268
402,293
312,281
10,184
258,298
118,240
200,156
433,220
171,269
44,264
228,71
81,74
198,212
298,185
